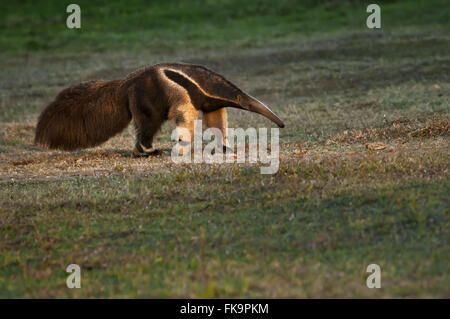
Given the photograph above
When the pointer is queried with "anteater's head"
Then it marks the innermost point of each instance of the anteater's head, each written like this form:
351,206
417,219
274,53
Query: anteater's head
251,104
229,95
210,91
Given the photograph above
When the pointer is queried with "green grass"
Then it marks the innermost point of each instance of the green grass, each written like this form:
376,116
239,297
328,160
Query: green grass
188,234
163,26
152,228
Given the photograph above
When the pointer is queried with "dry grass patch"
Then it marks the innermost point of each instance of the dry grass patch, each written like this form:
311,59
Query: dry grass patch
404,128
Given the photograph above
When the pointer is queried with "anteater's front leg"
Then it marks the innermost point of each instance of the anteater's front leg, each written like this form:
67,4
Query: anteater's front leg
147,121
218,119
185,116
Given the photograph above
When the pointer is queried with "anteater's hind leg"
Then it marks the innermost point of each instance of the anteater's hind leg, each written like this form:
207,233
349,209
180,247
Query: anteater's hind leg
218,119
147,121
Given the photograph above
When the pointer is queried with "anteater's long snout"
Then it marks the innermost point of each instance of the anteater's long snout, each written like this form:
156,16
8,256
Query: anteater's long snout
253,105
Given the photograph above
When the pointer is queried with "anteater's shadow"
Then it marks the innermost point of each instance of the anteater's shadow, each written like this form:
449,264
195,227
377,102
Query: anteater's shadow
127,153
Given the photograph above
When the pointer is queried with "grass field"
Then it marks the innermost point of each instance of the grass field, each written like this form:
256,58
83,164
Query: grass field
148,227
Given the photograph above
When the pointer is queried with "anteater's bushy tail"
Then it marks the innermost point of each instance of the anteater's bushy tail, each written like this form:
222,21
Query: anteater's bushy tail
83,115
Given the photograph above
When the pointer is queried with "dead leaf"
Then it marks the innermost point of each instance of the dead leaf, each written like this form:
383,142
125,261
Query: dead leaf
376,146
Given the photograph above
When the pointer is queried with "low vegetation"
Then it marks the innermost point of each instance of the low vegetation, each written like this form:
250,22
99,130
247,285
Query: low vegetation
148,227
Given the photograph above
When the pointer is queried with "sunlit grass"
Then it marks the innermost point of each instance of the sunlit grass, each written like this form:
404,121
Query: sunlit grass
152,228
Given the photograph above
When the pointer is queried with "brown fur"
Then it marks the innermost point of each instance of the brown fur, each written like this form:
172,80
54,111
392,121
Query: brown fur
83,115
89,113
